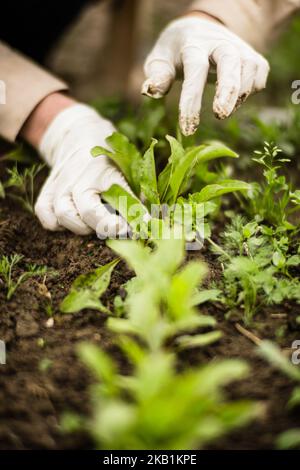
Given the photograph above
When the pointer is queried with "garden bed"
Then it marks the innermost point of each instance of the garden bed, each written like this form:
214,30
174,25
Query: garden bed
43,377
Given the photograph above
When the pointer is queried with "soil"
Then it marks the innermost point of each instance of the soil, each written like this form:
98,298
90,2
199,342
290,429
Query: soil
43,379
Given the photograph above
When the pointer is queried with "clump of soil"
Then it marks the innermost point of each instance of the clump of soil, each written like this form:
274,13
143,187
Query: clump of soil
43,377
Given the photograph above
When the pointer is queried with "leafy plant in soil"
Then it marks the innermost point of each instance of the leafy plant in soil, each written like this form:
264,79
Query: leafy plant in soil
258,265
273,201
7,268
165,191
155,406
161,300
87,290
289,439
23,185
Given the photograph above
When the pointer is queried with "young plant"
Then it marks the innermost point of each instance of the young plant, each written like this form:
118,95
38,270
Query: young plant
258,264
161,299
273,201
155,406
23,185
7,267
161,192
87,290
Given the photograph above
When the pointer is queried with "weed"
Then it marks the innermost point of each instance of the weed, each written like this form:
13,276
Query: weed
87,289
7,267
23,185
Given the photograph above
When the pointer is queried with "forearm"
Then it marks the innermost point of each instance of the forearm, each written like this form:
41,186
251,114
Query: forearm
255,21
42,116
27,85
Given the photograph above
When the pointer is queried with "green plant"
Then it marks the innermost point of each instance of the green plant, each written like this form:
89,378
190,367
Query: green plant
258,262
290,438
157,407
23,185
163,194
161,299
7,267
273,201
87,289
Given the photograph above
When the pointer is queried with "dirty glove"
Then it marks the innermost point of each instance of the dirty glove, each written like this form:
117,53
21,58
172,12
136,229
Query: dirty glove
194,45
70,197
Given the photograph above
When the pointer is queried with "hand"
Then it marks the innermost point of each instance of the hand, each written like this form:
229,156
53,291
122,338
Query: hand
70,197
193,44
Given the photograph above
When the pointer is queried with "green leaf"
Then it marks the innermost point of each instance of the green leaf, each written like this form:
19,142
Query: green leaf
213,191
131,209
177,154
207,295
98,361
196,341
125,155
289,439
87,289
272,353
148,176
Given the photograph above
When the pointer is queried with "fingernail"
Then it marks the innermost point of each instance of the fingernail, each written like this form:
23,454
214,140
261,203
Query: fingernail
189,124
152,90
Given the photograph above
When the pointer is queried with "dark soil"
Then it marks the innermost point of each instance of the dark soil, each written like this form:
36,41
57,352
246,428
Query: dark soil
42,380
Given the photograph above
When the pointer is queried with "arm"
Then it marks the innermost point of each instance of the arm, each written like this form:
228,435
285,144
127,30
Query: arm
26,85
255,21
63,131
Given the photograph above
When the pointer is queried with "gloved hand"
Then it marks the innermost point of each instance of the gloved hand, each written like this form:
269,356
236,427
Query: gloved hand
70,197
193,45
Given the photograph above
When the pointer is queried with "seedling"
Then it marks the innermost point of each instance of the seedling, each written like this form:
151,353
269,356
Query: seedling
87,289
157,407
165,190
23,185
273,201
7,267
161,299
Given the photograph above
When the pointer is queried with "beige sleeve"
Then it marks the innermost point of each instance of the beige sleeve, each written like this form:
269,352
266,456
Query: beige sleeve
256,21
23,85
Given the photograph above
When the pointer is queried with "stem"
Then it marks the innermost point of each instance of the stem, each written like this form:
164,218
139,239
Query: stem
218,248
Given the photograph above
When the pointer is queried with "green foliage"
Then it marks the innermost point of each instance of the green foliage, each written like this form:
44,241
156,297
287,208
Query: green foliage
156,407
164,190
161,299
273,201
87,289
23,185
7,267
258,262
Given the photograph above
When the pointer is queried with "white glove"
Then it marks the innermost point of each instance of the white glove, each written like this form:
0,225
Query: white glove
70,197
192,45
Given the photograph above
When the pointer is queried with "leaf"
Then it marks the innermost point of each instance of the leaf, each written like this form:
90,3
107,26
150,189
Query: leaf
196,341
87,289
125,155
98,361
207,295
177,153
148,176
130,208
213,191
273,354
289,439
